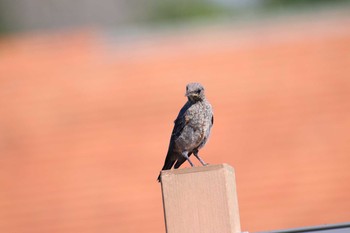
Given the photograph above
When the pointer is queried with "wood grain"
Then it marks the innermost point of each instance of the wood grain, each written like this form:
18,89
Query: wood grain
200,199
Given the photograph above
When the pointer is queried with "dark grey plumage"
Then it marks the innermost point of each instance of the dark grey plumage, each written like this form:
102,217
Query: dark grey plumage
191,130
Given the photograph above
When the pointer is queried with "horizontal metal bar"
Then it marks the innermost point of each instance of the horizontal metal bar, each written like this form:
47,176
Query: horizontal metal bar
321,228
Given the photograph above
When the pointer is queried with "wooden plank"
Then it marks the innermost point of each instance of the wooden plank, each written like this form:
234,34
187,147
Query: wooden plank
200,200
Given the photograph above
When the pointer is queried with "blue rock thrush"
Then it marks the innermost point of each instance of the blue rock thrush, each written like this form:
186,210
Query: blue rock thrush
191,130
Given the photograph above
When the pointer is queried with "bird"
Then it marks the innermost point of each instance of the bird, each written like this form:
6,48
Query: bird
191,129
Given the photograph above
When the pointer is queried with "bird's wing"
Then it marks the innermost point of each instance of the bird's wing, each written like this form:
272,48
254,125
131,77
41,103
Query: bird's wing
180,122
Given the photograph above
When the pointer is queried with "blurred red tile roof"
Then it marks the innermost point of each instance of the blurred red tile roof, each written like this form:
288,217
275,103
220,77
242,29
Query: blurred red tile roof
85,121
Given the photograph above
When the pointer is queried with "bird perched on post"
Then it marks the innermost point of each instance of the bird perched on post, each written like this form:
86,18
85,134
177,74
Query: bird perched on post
191,130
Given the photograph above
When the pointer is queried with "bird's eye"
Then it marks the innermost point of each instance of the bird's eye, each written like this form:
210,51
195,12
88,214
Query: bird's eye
198,91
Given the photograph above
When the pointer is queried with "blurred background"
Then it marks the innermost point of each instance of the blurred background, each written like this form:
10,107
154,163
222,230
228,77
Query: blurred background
89,91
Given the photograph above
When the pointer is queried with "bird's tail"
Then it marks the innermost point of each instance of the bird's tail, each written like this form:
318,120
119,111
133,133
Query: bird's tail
158,178
168,164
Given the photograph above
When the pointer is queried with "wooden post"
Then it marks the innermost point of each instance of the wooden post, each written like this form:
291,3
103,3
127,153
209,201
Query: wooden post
200,200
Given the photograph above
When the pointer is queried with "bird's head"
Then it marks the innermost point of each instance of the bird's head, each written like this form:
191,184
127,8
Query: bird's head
195,92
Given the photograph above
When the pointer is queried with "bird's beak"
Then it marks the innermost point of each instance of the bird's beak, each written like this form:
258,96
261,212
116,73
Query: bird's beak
193,94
